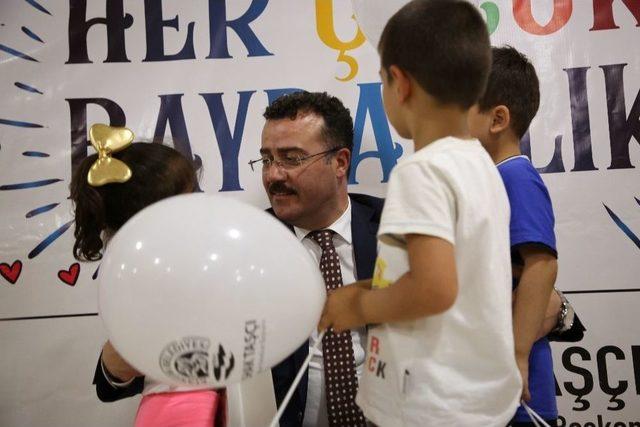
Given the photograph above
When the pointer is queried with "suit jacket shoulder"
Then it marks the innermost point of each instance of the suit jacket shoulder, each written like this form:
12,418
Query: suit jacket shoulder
365,220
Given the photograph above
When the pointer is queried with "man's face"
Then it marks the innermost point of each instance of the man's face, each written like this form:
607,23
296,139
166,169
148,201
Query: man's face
301,195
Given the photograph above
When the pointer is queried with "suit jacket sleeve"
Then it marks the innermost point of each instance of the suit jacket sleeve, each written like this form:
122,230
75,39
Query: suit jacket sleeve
108,393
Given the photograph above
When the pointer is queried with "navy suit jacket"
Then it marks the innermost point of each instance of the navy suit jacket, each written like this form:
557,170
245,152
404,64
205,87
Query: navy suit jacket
365,219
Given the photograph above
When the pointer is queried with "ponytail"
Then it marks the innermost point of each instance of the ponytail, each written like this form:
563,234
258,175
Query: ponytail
158,172
90,219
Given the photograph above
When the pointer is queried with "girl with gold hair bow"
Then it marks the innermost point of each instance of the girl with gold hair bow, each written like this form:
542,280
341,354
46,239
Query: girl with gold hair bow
107,189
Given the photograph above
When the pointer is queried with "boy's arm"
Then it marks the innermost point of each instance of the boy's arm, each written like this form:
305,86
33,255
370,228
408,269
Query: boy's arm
550,320
363,284
532,298
429,287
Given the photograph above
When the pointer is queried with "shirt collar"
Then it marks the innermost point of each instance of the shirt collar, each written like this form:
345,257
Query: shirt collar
342,226
508,159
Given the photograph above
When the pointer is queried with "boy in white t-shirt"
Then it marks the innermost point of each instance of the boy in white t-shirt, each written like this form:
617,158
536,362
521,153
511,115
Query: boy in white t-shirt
442,353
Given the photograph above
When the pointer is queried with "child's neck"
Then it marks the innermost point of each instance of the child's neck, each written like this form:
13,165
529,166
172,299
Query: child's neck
432,124
507,146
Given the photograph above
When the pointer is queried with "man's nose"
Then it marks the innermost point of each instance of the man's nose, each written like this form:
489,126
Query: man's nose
275,173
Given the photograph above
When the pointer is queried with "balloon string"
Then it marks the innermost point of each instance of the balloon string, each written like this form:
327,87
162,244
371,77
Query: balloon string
538,421
294,385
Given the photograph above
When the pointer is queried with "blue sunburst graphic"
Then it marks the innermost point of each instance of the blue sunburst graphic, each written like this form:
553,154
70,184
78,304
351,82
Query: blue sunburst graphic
35,154
32,34
26,124
41,210
622,226
38,6
28,88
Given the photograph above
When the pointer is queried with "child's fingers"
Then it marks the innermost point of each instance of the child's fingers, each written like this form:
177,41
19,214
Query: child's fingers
337,329
324,323
324,318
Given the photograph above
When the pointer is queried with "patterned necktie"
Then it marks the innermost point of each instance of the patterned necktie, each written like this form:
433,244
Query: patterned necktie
341,383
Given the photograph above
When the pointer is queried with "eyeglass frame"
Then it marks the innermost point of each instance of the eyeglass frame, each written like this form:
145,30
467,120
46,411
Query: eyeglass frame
279,163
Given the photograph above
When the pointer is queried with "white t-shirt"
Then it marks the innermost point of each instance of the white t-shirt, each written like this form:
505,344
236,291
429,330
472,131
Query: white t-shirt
456,368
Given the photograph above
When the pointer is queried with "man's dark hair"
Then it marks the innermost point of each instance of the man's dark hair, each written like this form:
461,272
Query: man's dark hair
444,45
338,125
513,83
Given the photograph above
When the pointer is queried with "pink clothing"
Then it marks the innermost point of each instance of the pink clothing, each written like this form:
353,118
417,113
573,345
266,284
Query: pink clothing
198,408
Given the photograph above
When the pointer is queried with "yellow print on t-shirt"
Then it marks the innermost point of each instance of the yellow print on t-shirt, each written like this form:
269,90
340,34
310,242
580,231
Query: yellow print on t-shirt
379,281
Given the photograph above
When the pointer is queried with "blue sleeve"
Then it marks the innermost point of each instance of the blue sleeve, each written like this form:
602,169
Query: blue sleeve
532,219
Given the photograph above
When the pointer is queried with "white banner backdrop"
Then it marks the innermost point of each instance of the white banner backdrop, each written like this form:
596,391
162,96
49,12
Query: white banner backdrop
200,74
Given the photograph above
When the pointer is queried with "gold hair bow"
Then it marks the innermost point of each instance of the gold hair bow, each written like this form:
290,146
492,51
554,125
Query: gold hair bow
108,140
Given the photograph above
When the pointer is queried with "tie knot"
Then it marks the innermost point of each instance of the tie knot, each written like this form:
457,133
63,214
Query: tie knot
324,238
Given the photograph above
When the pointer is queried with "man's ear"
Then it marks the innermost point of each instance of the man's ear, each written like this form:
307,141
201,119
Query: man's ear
402,83
500,119
343,160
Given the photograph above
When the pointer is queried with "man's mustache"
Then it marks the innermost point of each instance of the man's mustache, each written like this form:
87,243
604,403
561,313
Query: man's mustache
280,188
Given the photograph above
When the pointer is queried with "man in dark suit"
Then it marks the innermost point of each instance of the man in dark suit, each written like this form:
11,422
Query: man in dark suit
305,160
365,218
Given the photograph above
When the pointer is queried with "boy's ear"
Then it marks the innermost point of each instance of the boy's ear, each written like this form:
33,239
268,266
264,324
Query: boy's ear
500,119
402,83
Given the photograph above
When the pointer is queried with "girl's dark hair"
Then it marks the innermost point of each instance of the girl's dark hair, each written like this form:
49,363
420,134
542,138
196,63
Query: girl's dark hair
158,172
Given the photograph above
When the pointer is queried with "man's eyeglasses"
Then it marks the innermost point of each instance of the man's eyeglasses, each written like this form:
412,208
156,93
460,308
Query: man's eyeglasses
287,162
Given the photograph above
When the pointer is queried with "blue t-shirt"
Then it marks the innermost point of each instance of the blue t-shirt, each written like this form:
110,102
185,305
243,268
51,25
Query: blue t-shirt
532,222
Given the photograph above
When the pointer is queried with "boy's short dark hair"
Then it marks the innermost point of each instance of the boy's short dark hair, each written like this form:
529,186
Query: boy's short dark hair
444,45
513,83
338,125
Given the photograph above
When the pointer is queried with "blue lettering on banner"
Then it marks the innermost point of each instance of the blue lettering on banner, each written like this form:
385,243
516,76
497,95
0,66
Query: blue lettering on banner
171,115
228,144
116,22
388,152
622,127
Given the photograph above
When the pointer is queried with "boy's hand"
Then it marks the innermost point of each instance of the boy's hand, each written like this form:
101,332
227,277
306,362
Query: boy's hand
343,309
523,366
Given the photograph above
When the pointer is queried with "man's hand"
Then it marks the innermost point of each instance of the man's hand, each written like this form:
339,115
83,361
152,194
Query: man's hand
116,365
343,309
523,366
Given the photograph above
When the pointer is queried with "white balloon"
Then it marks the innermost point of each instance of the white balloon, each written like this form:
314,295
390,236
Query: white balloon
205,290
372,16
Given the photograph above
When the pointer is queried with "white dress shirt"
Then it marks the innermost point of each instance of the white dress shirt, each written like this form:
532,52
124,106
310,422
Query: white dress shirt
315,414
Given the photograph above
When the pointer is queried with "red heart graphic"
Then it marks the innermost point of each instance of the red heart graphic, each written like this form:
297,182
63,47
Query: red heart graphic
11,273
70,277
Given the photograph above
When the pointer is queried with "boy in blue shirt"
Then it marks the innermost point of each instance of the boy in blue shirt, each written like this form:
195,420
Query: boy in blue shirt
499,120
